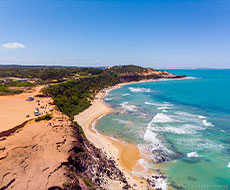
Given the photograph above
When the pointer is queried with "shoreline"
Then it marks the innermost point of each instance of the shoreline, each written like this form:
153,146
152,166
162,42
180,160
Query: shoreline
126,155
113,148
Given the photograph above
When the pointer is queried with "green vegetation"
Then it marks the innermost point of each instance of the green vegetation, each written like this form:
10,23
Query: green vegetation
72,97
4,90
80,128
65,185
87,182
44,117
128,69
21,84
45,73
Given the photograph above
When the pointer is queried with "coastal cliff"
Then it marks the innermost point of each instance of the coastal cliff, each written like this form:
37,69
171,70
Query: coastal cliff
131,73
58,149
86,162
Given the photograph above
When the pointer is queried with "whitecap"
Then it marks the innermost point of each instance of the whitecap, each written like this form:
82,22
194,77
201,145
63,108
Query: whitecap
199,143
202,117
127,107
206,123
165,104
108,99
139,89
182,129
126,94
193,154
161,118
222,131
228,165
156,144
161,184
164,108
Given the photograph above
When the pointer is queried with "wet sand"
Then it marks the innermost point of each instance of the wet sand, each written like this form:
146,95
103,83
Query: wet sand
125,154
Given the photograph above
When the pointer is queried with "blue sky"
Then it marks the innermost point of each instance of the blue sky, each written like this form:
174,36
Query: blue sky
163,33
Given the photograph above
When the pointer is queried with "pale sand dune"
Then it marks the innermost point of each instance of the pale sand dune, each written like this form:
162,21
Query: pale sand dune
126,155
13,109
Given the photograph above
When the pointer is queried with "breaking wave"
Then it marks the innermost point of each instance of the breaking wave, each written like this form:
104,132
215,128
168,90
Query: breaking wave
161,118
126,94
186,129
193,154
206,123
129,108
139,89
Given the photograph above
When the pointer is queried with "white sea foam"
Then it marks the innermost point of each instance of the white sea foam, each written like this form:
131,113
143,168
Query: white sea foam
161,184
202,117
193,154
182,129
199,143
188,117
127,107
222,131
206,123
228,165
156,144
126,94
108,99
120,121
161,118
164,108
165,104
94,124
151,136
192,78
139,89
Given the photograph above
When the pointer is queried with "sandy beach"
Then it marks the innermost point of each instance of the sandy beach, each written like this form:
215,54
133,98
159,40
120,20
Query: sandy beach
125,154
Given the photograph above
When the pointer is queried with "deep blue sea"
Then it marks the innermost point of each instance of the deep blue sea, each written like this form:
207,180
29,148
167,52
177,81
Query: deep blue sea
181,127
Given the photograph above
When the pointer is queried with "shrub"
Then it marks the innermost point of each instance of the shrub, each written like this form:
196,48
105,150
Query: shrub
44,117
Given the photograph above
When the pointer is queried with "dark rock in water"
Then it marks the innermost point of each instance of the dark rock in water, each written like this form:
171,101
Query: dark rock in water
175,186
190,178
126,186
191,160
206,160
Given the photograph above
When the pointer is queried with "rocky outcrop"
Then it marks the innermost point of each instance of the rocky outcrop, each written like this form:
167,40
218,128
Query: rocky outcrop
89,163
147,74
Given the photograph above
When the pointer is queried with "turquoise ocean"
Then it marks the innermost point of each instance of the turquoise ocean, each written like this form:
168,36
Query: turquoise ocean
182,127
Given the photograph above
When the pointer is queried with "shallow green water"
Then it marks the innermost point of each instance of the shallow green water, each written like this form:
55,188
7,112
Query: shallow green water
185,122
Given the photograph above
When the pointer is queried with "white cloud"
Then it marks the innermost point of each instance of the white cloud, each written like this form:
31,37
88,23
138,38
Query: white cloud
13,45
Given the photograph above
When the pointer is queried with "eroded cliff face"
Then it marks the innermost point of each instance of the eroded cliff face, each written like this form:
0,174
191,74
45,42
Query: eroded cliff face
147,74
54,154
89,166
